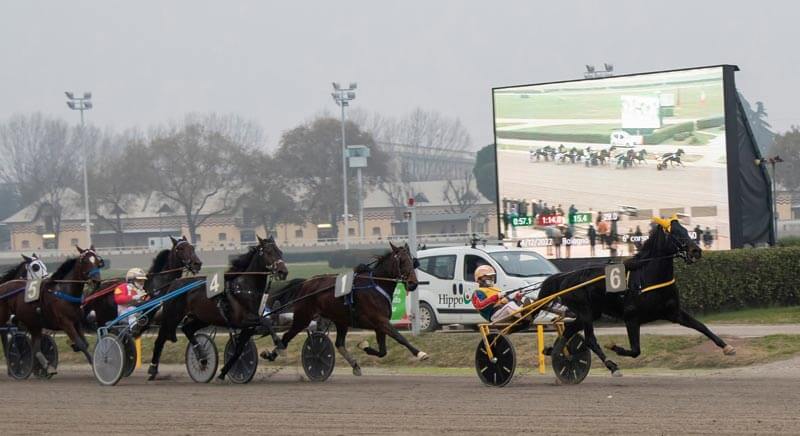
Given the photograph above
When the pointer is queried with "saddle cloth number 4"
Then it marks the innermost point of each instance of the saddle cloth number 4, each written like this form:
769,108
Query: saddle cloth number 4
213,286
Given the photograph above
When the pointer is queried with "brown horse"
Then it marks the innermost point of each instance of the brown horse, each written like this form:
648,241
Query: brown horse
236,308
58,306
167,266
368,306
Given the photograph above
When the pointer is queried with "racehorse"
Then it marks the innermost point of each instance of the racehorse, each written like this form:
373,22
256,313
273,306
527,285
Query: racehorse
167,266
368,306
30,268
672,158
640,157
58,305
651,294
236,308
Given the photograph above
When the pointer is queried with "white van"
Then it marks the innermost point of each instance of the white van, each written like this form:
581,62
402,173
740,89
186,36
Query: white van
447,282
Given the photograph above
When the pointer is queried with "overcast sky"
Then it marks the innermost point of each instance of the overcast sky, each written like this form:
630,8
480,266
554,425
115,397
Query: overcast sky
149,61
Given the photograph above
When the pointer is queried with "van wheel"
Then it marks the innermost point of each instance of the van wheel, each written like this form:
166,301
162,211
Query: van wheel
427,318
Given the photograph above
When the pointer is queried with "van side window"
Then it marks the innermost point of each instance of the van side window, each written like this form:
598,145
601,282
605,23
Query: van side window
441,267
471,263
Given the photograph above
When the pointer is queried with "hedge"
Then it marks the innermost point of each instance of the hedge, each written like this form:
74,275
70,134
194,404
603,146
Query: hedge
595,138
707,123
737,279
660,135
789,241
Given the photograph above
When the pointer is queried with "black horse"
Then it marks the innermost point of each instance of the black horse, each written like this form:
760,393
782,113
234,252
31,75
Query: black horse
651,295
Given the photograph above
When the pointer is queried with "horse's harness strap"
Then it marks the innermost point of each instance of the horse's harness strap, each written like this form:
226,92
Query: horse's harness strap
69,298
658,286
11,293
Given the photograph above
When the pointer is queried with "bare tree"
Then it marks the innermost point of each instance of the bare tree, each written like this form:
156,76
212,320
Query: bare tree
40,160
460,194
247,133
195,168
398,192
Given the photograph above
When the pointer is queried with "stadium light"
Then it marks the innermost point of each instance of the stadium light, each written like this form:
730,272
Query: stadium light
83,104
342,97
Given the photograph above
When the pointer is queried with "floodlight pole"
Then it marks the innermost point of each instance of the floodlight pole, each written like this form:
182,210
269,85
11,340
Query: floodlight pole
411,213
342,97
83,104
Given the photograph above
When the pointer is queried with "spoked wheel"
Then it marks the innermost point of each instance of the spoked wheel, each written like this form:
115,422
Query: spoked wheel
244,369
202,360
108,360
318,357
571,359
499,370
19,356
50,351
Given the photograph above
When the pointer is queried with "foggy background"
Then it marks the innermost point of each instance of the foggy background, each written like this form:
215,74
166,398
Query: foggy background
151,61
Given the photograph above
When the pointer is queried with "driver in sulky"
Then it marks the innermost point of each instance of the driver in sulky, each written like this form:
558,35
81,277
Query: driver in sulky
494,306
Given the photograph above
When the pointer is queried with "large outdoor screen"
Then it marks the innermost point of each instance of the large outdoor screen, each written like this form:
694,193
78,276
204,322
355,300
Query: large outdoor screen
584,165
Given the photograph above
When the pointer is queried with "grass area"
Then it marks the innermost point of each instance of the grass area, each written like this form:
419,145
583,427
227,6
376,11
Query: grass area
575,129
457,350
771,315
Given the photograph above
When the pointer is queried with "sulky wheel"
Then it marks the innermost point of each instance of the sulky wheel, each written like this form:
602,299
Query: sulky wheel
19,355
571,359
202,360
50,351
109,360
243,370
318,357
129,344
499,370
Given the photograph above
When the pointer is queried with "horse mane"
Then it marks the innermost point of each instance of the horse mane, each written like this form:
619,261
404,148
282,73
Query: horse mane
241,263
12,273
65,268
377,259
160,261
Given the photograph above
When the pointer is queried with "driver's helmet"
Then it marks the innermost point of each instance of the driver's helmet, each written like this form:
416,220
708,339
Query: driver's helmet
484,273
136,276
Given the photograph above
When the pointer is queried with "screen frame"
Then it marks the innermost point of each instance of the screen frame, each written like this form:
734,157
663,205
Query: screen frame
730,102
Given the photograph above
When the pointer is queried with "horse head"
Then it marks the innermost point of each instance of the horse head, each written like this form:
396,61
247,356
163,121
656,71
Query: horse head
677,240
272,257
183,251
403,266
34,267
88,265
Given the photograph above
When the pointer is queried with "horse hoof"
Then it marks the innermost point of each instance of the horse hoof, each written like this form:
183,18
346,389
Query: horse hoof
422,356
357,371
269,356
611,346
729,350
616,373
221,377
363,344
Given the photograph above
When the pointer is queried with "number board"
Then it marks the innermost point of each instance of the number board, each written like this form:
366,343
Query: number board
550,220
610,216
615,278
213,286
581,218
344,284
521,221
32,290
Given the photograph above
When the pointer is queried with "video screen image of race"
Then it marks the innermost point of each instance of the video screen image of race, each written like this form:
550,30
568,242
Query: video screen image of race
583,165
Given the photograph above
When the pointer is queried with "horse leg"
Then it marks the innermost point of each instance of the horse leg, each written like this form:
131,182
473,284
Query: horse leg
189,329
241,340
164,333
591,342
76,336
341,335
36,349
381,351
683,318
389,329
301,320
633,328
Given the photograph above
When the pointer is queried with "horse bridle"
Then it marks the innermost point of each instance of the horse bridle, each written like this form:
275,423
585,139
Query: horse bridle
95,271
186,262
271,268
32,272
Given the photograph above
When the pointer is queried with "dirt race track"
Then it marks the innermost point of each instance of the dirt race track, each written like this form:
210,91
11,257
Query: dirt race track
749,402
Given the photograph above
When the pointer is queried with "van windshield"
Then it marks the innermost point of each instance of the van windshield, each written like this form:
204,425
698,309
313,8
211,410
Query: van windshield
523,264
